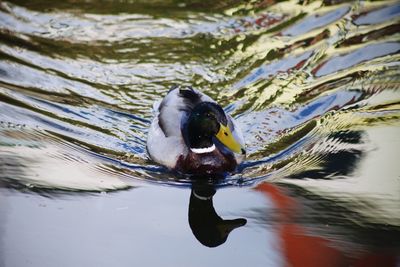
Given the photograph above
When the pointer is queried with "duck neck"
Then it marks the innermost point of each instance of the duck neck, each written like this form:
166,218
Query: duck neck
200,144
201,127
197,141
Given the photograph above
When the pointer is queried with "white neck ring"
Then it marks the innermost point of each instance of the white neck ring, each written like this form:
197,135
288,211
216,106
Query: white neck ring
203,150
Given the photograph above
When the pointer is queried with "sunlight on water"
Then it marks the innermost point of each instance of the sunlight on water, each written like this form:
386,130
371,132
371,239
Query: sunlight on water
285,67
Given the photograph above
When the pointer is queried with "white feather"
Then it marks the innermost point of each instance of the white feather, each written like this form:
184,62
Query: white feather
203,150
162,149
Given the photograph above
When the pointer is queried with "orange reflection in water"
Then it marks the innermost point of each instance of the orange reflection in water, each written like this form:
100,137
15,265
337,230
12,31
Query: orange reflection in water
301,248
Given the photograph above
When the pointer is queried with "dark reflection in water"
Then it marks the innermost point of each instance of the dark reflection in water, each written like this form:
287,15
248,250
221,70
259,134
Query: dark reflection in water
341,163
207,226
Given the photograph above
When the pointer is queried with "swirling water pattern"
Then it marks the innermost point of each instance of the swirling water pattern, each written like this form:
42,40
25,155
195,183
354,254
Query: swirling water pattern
313,84
87,78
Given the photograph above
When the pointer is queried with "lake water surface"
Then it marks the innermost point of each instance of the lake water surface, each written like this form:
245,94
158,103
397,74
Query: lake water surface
314,85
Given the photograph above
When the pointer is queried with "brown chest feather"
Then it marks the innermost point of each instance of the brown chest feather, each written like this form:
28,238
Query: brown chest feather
206,163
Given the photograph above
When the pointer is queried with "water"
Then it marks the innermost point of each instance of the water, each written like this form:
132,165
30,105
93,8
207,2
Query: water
314,85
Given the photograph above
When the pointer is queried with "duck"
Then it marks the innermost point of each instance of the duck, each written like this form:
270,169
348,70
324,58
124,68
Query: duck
191,134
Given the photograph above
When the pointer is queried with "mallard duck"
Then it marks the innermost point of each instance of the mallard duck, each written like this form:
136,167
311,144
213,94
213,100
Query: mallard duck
191,134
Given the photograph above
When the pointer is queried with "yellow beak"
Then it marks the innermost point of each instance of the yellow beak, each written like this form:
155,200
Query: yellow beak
225,136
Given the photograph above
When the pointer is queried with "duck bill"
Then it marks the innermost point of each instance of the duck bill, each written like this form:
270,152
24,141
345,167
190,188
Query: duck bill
225,136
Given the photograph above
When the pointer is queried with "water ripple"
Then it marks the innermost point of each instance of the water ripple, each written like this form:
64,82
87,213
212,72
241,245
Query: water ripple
305,81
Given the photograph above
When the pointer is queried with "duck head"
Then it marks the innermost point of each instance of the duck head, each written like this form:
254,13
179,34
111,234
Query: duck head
207,124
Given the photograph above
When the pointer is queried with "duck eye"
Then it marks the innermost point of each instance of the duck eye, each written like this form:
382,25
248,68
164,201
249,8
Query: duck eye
225,133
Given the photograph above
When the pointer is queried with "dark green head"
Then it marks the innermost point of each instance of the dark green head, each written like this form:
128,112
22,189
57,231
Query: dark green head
206,121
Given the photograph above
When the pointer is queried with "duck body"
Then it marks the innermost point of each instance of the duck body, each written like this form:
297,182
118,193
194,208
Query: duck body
191,133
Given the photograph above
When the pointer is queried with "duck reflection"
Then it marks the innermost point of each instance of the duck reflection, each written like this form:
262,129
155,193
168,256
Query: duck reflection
207,226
